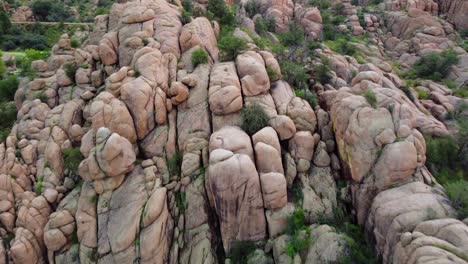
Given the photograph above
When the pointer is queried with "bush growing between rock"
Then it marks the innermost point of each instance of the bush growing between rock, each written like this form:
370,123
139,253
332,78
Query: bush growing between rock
174,164
458,194
199,56
72,158
219,11
371,98
434,65
254,118
299,233
231,46
294,74
8,87
294,36
447,157
7,114
240,251
70,70
252,8
322,71
264,25
307,95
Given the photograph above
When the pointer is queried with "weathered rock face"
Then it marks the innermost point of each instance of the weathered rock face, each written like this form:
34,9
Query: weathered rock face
139,156
234,188
456,12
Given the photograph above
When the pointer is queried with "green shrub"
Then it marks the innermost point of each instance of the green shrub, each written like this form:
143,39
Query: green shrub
231,46
72,158
360,250
41,96
294,36
441,152
309,96
294,74
252,8
181,201
272,75
74,43
7,114
313,45
186,17
342,46
5,24
33,54
4,133
39,184
3,67
265,25
219,11
408,93
70,70
422,94
8,87
240,251
371,98
174,164
321,4
435,66
199,56
462,92
53,11
254,118
322,72
299,233
458,194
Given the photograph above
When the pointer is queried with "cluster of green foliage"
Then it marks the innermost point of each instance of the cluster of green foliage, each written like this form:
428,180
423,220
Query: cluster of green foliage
51,11
320,4
103,7
457,191
72,158
174,164
7,118
450,151
240,251
299,233
294,36
447,159
307,95
34,36
252,8
199,56
187,11
254,118
39,184
322,71
342,46
70,69
408,93
435,66
422,94
371,98
359,248
294,74
181,201
219,11
265,25
8,86
231,45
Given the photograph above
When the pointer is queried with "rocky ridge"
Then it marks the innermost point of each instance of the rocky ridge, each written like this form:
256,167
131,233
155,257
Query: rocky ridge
167,173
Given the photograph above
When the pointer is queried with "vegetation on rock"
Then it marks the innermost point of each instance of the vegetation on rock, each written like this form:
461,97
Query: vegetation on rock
254,118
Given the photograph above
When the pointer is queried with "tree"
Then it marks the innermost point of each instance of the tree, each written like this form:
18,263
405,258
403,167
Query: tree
5,23
41,8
